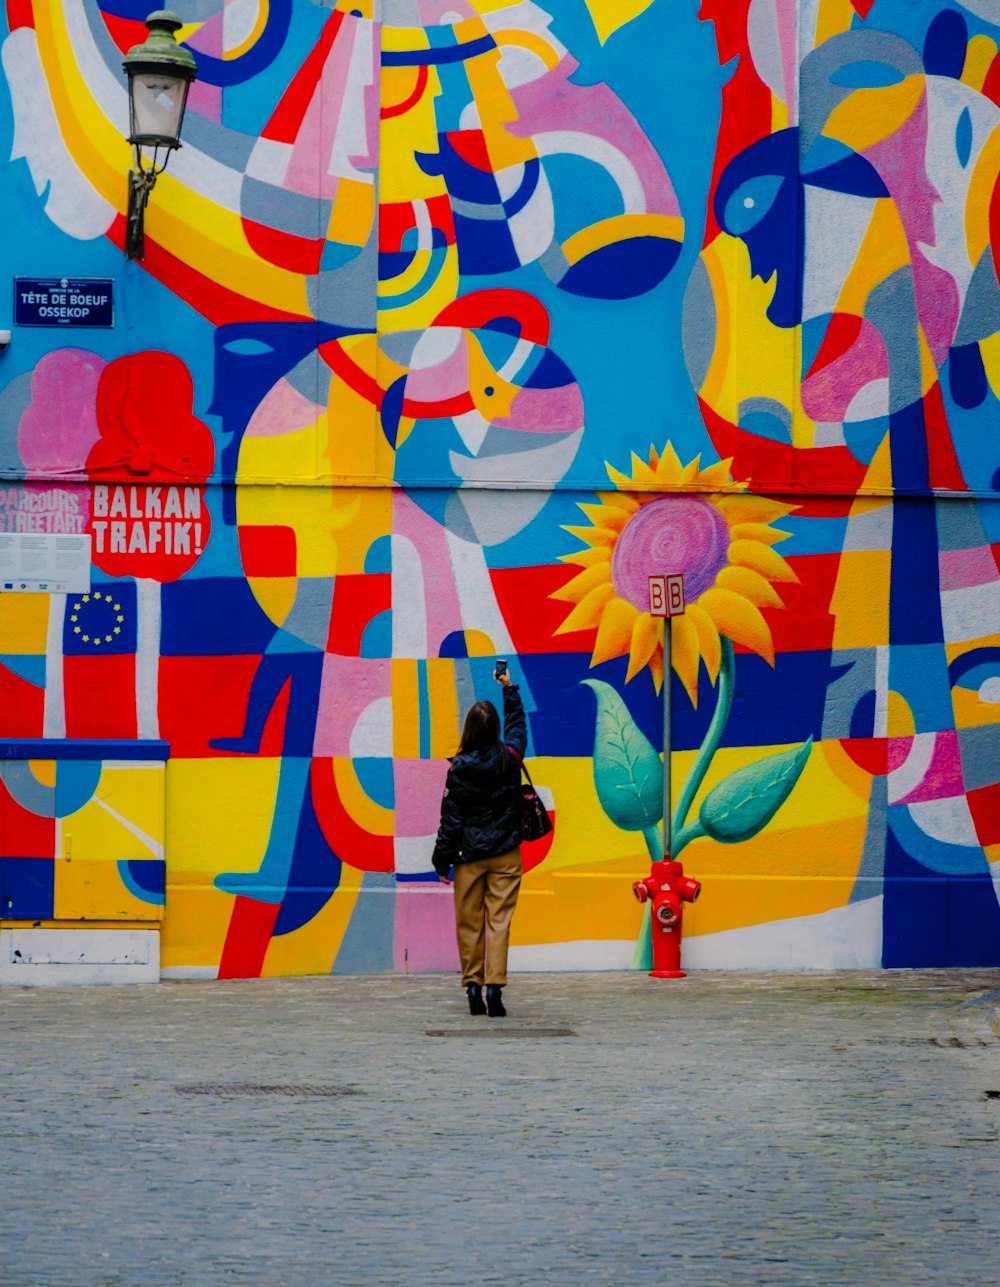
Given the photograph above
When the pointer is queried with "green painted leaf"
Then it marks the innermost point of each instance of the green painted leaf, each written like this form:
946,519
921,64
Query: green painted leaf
746,801
628,771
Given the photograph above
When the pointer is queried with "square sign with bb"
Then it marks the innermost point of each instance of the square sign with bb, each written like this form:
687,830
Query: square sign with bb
666,595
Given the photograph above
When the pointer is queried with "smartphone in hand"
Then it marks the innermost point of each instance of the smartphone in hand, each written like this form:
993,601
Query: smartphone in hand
501,667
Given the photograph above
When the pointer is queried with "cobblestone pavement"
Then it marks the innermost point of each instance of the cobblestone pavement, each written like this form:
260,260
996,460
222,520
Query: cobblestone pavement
723,1129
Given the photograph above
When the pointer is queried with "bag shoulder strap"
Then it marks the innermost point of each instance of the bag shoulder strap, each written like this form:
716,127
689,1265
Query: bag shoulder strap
524,767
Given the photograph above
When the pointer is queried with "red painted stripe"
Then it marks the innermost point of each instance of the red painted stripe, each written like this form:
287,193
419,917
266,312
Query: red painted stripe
250,929
286,119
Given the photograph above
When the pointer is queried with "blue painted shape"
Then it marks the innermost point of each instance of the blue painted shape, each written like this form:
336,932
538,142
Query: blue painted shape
85,748
866,74
963,137
376,639
212,617
485,246
775,239
375,777
623,269
525,189
863,716
27,888
853,175
919,673
967,381
435,57
302,672
945,45
864,437
933,854
779,705
914,923
29,667
76,783
101,622
145,879
378,556
764,424
914,588
313,875
972,669
392,409
973,936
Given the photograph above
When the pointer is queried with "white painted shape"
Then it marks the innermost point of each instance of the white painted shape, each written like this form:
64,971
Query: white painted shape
476,598
871,530
54,712
238,20
409,600
190,972
472,429
58,957
846,938
372,734
69,198
870,401
268,161
948,820
147,658
970,613
154,846
907,776
533,228
610,158
350,141
435,346
830,260
580,954
412,854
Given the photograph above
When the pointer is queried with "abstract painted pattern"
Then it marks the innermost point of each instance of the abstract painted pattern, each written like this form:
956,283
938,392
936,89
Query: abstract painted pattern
455,322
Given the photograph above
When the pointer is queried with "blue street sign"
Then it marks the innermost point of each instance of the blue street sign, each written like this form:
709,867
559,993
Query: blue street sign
64,301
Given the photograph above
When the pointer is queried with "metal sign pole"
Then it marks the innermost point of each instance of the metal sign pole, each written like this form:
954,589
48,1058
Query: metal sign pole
667,803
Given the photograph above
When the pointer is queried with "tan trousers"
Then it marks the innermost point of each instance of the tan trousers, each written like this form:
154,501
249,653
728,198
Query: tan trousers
485,897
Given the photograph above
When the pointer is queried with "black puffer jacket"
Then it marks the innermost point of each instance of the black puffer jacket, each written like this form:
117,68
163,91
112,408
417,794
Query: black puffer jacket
481,808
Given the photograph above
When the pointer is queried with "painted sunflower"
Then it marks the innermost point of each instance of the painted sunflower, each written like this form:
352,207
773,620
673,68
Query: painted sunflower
721,541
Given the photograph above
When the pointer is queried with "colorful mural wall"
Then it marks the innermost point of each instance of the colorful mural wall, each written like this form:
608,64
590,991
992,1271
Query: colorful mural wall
457,320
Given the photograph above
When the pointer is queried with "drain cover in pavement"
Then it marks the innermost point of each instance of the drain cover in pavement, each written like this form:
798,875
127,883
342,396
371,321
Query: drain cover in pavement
253,1088
500,1032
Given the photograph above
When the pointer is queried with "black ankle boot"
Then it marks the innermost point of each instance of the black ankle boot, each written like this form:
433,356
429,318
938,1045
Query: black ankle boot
494,1004
475,994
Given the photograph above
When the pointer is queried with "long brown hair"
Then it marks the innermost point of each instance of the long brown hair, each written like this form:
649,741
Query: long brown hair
482,728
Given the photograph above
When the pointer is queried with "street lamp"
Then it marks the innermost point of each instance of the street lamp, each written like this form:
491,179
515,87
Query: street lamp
159,73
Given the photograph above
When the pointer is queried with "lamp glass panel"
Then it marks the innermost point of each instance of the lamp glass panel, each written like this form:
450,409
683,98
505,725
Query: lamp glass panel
157,104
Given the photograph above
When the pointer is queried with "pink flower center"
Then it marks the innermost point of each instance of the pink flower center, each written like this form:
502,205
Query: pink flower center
674,534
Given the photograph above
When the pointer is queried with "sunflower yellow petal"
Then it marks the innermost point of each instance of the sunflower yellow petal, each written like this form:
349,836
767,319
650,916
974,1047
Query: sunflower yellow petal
709,644
684,654
757,589
656,668
735,617
758,532
606,518
716,475
751,554
581,585
745,507
645,641
587,612
594,535
669,465
614,634
585,558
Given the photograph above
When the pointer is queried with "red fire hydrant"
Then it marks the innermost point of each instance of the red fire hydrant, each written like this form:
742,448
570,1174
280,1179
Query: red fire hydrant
666,888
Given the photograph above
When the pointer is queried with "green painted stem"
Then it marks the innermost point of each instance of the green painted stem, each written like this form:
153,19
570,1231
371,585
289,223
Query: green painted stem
723,705
653,837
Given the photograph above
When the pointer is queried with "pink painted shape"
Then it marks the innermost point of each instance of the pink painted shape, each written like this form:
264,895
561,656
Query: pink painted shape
425,929
283,410
553,102
828,394
418,786
897,752
545,410
944,773
448,378
900,161
59,426
960,569
348,687
444,613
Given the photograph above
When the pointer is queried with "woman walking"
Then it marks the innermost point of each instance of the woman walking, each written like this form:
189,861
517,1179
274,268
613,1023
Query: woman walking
480,837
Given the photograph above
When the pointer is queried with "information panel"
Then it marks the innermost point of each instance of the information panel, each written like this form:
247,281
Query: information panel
44,563
64,301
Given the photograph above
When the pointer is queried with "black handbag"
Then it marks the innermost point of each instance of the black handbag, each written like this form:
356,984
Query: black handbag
535,822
